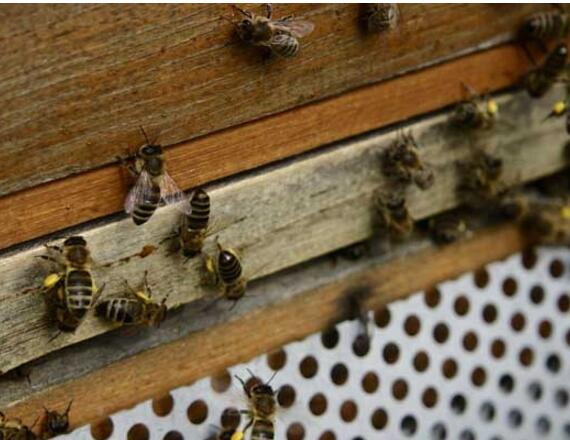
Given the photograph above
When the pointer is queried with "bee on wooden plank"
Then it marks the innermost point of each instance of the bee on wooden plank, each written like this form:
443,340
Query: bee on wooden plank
546,25
547,223
15,429
513,206
447,228
193,228
353,306
392,215
262,409
380,17
136,309
226,272
480,179
474,113
55,423
281,36
541,79
153,185
402,164
70,292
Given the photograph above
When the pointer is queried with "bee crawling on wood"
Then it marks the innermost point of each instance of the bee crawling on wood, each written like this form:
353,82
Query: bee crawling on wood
281,37
55,423
474,113
392,215
15,429
480,178
262,409
136,309
153,184
71,292
226,272
193,229
541,79
401,163
546,25
379,17
447,228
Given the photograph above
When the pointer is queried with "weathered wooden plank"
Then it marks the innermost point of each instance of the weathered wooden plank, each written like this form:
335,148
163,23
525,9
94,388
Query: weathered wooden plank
67,202
78,80
313,290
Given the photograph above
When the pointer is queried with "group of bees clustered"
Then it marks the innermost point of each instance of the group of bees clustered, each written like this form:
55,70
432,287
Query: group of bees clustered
70,292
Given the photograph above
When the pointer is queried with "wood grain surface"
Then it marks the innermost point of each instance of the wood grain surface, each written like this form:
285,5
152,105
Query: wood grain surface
67,202
200,354
277,218
78,80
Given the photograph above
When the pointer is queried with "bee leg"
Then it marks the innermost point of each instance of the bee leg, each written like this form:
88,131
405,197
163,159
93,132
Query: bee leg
249,423
55,336
97,294
269,10
50,247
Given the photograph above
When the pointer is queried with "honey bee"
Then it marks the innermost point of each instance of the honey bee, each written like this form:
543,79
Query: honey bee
194,226
136,309
559,109
71,292
513,206
15,430
546,25
401,162
380,17
393,216
480,178
541,79
474,113
547,224
447,228
279,36
153,184
54,423
262,409
353,306
227,272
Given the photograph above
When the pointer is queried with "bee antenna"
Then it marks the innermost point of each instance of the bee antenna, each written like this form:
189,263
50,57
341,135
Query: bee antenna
35,421
271,378
68,407
144,134
250,372
242,11
240,380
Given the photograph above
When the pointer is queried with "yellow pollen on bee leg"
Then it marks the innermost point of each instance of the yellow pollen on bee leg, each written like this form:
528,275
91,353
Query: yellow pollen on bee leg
238,435
565,212
51,280
492,107
559,108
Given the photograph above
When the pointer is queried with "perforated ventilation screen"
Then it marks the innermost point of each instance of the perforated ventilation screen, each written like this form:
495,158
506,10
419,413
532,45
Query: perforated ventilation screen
481,357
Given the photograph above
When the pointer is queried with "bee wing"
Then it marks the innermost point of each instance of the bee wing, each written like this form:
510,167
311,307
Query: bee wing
297,28
171,194
140,191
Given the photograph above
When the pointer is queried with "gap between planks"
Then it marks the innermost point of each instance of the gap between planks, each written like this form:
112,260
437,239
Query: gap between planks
63,203
201,354
278,218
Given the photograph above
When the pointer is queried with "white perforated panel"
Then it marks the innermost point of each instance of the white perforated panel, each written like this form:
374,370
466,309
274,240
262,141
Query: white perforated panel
481,357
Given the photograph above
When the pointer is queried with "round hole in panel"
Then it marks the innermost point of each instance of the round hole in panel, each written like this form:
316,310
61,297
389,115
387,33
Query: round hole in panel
529,258
162,406
534,390
382,317
461,305
510,286
537,294
466,434
478,376
370,382
489,313
330,337
518,322
412,325
441,332
339,374
318,404
526,356
449,368
487,411
561,397
564,302
309,367
556,268
361,345
221,381
173,435
379,419
295,431
429,397
498,348
277,359
400,389
230,418
438,431
286,396
409,425
506,383
391,353
553,363
470,341
197,412
327,435
543,425
545,329
481,278
421,361
515,418
102,429
138,431
567,337
348,411
458,403
432,297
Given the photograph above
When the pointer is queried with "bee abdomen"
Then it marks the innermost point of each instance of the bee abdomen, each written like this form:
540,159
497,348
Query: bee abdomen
200,216
263,430
144,209
229,268
289,49
79,292
120,310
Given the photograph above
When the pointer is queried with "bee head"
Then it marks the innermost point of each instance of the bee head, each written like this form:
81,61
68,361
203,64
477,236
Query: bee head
246,29
57,423
75,241
147,151
531,27
263,389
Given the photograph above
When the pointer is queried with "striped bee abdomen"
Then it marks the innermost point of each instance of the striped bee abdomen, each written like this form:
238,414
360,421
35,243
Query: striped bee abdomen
145,207
79,292
263,430
200,215
229,267
288,48
120,310
547,25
